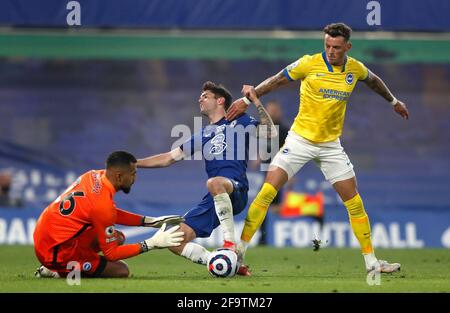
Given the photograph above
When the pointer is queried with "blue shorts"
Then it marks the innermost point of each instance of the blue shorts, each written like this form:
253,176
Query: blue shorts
203,217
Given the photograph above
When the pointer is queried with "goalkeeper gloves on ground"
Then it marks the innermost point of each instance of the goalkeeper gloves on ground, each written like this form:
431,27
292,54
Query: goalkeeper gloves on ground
157,222
163,239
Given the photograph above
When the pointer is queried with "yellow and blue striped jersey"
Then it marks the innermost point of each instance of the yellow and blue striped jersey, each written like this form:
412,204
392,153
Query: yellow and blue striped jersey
324,92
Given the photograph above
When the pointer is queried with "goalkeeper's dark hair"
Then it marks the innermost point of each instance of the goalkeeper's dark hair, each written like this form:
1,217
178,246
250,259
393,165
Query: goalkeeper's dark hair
338,29
120,159
219,91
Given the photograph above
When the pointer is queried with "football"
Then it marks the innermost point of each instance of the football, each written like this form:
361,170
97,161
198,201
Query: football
222,263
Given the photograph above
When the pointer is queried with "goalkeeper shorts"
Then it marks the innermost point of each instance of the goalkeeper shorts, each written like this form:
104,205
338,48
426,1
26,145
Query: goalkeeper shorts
82,251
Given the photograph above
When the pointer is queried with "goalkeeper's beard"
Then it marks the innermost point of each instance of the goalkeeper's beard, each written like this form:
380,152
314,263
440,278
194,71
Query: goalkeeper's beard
126,189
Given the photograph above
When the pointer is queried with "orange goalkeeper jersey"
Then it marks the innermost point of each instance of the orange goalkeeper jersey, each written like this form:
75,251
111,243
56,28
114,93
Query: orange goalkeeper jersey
87,203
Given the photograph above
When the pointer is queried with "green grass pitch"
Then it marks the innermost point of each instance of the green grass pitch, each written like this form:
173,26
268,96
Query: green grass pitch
274,270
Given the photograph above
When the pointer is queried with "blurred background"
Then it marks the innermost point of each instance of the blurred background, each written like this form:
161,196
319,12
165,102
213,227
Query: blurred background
80,79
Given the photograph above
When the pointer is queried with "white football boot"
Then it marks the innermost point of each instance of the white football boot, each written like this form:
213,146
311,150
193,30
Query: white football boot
383,266
43,272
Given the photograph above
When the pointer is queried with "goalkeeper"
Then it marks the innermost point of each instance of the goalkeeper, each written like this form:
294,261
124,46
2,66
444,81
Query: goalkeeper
81,222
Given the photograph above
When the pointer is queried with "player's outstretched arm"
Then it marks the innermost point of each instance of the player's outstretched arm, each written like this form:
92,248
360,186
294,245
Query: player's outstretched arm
161,160
157,222
376,84
270,84
131,219
266,128
239,106
163,239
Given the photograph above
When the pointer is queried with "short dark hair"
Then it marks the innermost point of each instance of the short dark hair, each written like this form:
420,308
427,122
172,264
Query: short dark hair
338,29
219,90
120,158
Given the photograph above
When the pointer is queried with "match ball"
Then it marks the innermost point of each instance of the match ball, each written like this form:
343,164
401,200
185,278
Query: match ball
222,263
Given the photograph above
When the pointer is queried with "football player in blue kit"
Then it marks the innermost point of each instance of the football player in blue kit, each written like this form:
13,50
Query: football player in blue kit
224,146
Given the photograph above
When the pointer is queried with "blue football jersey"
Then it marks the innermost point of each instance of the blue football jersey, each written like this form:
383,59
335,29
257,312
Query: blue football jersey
225,147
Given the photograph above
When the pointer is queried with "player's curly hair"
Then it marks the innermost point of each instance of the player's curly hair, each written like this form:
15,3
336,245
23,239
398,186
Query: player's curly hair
219,91
338,29
120,158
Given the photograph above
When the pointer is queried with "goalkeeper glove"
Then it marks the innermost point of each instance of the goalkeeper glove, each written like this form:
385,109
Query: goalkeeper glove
163,239
149,221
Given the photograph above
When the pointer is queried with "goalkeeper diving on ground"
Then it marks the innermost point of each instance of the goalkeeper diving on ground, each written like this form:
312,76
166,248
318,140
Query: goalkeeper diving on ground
80,223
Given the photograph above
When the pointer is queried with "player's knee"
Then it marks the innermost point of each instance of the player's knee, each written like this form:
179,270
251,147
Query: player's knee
276,177
218,185
116,269
213,184
189,235
123,270
125,273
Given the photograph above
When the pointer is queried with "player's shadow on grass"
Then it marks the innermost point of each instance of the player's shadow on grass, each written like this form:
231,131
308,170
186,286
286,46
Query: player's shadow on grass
159,277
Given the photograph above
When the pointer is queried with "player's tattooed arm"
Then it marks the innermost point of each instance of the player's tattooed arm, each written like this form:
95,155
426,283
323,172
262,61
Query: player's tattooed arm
266,127
377,84
271,84
239,106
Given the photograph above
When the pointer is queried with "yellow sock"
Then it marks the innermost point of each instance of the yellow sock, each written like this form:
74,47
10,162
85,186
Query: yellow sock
359,222
257,211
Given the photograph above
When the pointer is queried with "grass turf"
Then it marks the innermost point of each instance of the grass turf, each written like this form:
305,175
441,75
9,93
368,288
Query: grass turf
274,270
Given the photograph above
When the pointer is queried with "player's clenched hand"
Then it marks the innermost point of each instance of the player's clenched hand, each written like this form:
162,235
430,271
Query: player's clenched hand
164,238
250,93
400,108
157,222
248,90
237,108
